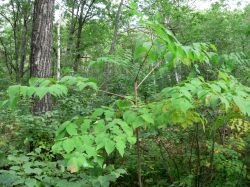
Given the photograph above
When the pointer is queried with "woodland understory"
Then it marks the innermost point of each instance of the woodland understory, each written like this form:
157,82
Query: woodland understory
99,93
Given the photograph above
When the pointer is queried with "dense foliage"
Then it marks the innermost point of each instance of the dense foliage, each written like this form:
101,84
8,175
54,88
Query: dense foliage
144,93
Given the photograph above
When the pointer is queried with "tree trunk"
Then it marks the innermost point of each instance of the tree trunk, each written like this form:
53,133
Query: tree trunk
58,70
107,70
78,39
117,20
23,48
41,45
81,21
26,11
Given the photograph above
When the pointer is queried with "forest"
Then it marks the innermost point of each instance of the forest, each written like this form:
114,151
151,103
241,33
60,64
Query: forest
124,93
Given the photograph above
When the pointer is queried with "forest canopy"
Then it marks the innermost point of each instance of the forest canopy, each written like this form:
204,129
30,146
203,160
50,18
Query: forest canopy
124,93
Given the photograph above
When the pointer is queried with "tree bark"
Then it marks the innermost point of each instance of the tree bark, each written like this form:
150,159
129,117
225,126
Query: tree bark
58,70
26,11
117,20
41,45
81,21
23,48
78,39
107,68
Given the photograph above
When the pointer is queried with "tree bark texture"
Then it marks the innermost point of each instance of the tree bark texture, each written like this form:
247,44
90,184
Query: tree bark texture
41,45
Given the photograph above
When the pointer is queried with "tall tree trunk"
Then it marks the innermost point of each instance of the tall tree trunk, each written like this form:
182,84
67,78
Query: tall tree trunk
117,20
15,12
26,11
23,47
41,45
81,21
58,70
78,38
72,29
107,70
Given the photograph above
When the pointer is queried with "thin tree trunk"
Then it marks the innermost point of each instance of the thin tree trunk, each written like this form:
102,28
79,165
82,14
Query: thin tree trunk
176,75
41,45
72,30
117,20
198,157
138,143
58,71
15,34
107,70
23,48
8,66
78,39
81,22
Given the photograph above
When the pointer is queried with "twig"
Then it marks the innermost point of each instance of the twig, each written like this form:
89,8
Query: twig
156,66
145,58
118,95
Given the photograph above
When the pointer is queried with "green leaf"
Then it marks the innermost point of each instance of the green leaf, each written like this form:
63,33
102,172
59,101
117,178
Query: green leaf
100,140
222,85
212,46
78,143
109,146
197,68
186,93
27,91
4,103
62,128
15,168
73,165
223,75
215,88
128,130
88,139
214,101
242,104
98,112
13,101
104,181
99,160
181,104
132,139
58,90
68,145
92,85
129,116
91,151
85,125
109,115
120,146
44,82
71,129
57,147
138,122
148,118
123,104
225,102
133,5
116,130
41,92
13,91
82,85
100,127
81,161
30,182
